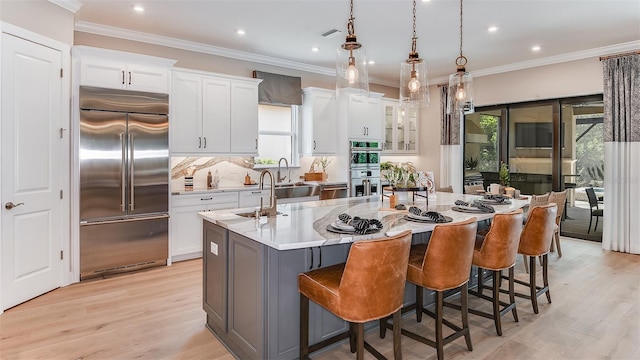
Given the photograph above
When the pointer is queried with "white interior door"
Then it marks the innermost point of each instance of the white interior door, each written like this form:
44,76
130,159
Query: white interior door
32,170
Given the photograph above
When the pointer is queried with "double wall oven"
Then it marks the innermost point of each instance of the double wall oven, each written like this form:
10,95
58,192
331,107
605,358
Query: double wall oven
364,168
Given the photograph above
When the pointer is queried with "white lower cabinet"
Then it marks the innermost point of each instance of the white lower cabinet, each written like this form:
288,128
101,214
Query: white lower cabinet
185,226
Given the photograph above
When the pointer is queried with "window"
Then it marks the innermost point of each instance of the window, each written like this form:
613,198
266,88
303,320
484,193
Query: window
277,135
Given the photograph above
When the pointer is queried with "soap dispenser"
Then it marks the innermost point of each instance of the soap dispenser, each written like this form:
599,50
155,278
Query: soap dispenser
209,180
247,179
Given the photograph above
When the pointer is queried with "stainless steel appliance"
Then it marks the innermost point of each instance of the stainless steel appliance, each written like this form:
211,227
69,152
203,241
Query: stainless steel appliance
364,168
334,191
124,180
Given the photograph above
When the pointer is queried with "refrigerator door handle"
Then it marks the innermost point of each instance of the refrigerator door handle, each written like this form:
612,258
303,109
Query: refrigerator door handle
131,182
130,219
123,174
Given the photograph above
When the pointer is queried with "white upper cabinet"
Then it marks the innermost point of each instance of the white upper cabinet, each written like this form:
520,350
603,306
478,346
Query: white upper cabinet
400,128
319,120
365,119
244,117
213,114
121,70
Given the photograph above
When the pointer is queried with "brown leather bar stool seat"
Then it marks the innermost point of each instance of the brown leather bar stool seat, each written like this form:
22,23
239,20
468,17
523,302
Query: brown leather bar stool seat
498,251
442,264
535,241
369,286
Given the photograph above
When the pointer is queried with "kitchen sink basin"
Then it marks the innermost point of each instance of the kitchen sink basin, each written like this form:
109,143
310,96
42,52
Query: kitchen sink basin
253,214
284,185
287,191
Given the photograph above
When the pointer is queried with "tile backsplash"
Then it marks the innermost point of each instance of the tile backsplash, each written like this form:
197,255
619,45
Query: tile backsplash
231,170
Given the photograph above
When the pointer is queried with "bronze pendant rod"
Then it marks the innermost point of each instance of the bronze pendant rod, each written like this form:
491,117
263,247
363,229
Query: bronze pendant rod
619,55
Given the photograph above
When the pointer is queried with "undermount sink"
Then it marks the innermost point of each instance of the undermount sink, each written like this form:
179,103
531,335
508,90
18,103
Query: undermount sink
282,185
286,191
253,214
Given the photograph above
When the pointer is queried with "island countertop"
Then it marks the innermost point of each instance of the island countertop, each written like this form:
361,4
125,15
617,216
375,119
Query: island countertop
304,225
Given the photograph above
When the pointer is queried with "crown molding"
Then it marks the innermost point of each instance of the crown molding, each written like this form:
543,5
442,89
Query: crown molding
71,5
209,49
578,55
294,65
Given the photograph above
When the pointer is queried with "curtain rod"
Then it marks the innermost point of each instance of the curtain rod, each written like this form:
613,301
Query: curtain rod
619,55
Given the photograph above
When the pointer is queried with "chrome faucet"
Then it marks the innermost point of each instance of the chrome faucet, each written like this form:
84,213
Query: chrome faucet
271,211
286,163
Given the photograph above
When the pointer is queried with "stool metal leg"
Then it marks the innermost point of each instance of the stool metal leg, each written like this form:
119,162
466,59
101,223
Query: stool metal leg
359,341
532,283
352,337
304,327
496,302
464,309
439,340
419,293
397,336
512,292
545,276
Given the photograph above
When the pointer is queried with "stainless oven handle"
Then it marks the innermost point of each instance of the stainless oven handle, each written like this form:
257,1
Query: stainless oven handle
335,188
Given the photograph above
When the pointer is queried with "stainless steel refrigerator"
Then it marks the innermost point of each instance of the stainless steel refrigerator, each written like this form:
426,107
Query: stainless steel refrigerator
124,180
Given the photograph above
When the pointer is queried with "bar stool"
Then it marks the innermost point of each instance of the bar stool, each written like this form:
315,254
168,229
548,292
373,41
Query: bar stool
442,264
369,286
535,241
498,251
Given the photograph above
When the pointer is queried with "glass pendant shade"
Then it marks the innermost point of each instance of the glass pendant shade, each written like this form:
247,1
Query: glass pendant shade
460,92
414,87
351,71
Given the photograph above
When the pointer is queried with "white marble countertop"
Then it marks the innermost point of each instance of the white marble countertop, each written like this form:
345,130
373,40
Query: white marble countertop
303,225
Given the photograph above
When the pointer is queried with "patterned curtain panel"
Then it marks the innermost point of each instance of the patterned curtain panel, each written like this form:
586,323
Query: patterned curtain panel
621,154
622,98
450,123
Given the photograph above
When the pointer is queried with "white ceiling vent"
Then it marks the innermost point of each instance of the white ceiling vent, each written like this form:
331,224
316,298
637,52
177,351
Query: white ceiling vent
331,33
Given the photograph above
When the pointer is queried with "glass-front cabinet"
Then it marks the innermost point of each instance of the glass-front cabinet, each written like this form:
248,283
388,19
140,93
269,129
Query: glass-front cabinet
400,128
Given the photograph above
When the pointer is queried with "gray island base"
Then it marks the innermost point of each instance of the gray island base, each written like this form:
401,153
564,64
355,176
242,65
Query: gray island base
250,288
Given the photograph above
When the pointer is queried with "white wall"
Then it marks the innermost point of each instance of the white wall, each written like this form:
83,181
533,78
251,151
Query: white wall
39,16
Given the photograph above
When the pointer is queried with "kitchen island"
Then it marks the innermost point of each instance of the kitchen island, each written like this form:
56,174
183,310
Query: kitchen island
251,266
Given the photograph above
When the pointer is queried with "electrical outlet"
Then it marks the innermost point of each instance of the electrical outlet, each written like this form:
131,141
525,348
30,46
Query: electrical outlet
214,248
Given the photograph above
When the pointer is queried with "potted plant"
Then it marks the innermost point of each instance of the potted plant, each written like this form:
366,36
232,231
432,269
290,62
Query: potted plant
471,163
503,174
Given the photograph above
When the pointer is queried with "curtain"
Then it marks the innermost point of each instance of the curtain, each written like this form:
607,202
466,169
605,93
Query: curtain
276,89
621,230
451,156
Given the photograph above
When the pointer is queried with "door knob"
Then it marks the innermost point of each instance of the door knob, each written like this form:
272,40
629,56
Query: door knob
11,205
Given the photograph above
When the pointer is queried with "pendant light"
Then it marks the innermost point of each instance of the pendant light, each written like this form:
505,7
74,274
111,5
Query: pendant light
351,64
460,83
414,88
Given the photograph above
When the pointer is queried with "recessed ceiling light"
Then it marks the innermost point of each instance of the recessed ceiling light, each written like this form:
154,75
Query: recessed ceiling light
426,0
315,49
138,8
240,32
371,62
493,28
536,48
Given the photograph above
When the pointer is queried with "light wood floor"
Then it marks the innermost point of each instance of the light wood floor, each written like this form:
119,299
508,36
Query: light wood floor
157,314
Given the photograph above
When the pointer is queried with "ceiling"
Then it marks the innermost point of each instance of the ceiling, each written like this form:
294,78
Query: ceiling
284,31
